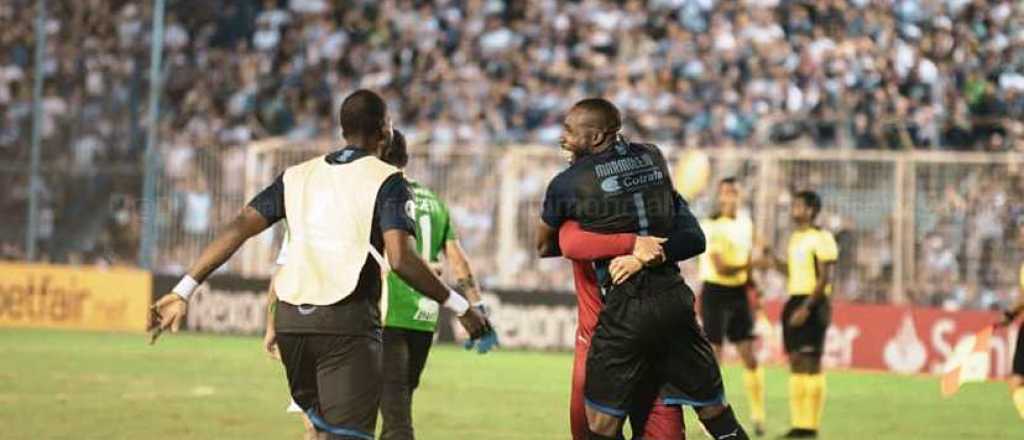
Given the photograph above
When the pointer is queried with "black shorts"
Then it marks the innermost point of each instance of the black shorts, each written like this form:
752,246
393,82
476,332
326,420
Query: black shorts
725,311
1018,355
336,380
648,330
808,338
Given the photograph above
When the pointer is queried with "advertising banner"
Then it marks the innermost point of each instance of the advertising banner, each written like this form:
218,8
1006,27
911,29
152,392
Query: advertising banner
72,297
223,304
900,339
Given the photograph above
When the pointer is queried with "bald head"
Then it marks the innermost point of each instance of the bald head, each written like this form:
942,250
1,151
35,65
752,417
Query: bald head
590,126
598,114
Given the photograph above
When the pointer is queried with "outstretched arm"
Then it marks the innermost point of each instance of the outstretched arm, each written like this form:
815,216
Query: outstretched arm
248,223
169,311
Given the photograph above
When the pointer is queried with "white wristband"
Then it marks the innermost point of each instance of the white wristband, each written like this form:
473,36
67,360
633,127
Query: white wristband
185,287
456,303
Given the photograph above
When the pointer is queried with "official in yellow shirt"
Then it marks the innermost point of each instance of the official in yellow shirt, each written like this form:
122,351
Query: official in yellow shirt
810,263
725,309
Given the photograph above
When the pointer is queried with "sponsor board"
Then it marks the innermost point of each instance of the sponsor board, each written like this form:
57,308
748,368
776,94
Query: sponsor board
523,320
223,304
899,339
72,297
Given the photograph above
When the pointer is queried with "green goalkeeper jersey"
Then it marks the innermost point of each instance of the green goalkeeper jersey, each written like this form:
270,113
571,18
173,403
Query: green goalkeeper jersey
407,308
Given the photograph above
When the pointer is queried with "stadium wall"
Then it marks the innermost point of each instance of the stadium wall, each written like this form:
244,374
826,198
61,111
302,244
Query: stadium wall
898,339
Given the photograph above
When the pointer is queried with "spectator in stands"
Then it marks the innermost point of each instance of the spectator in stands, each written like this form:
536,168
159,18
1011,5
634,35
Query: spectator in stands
482,73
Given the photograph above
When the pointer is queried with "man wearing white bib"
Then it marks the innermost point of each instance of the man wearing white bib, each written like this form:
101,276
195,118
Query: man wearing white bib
344,210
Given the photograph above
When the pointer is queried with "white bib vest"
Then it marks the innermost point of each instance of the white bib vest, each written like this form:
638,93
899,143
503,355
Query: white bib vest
330,211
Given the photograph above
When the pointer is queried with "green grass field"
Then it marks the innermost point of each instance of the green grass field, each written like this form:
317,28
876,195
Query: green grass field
69,385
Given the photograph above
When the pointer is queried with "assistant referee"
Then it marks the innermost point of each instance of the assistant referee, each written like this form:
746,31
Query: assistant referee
726,312
810,263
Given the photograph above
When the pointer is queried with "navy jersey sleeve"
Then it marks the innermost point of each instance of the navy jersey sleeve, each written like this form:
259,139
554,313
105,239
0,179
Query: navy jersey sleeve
395,205
270,202
686,239
558,202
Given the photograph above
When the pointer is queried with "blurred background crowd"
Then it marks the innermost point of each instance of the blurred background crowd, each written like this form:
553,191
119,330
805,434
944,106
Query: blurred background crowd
470,78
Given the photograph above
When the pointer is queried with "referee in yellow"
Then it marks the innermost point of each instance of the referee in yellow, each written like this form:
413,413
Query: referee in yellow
810,264
725,308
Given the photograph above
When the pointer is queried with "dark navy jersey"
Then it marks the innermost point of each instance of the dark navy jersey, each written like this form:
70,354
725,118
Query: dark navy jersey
625,188
359,313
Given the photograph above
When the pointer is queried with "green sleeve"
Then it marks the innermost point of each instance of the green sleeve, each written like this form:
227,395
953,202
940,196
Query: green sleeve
449,228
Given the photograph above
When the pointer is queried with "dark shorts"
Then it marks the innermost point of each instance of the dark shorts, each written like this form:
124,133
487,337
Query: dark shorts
336,380
725,313
648,330
1018,355
808,338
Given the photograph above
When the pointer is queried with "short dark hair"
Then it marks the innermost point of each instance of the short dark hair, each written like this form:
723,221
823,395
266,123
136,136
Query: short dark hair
396,153
604,111
730,180
362,113
812,200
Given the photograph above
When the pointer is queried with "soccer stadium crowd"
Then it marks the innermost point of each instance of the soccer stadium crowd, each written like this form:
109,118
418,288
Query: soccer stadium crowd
474,76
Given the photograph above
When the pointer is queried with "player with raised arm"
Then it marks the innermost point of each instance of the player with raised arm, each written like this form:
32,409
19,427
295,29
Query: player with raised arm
648,327
328,318
810,263
725,310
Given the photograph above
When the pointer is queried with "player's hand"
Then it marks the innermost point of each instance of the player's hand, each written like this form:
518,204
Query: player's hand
624,267
648,250
474,322
270,343
800,316
489,339
168,313
484,343
483,309
437,268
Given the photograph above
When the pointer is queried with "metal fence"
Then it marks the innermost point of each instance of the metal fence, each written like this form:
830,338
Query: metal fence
927,227
937,228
